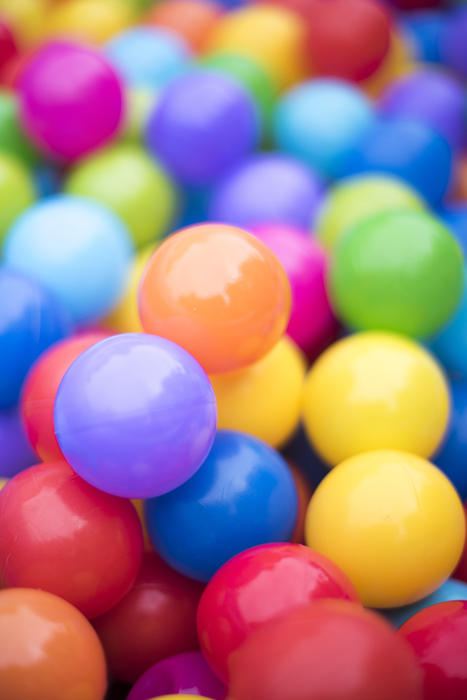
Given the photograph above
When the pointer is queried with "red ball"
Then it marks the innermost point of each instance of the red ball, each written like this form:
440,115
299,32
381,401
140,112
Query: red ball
40,389
438,636
156,619
8,48
257,586
461,571
331,649
62,535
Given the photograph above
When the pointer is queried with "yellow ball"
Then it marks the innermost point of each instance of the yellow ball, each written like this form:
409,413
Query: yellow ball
272,36
90,20
264,399
393,523
372,391
27,18
125,317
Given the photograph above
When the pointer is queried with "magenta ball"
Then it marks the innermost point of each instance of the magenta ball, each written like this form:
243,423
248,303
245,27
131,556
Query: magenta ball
312,323
71,100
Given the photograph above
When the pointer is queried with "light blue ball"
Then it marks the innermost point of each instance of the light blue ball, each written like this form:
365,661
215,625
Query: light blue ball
77,248
321,121
450,346
147,56
450,590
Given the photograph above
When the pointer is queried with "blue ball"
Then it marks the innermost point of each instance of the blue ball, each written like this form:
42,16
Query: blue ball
409,150
450,346
242,495
455,218
321,121
425,31
31,319
452,457
77,248
450,590
147,57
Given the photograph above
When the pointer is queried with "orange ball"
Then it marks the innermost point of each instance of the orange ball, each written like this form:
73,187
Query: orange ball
217,291
193,20
48,650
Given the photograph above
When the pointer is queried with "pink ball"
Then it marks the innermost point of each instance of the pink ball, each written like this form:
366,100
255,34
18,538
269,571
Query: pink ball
71,100
312,323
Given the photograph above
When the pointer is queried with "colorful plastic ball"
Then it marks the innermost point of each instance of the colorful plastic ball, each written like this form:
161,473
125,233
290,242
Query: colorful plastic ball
425,30
256,586
191,20
155,619
401,271
15,452
267,188
452,457
26,19
147,56
47,649
219,293
272,36
453,52
438,636
376,516
129,377
178,675
243,495
409,150
12,137
354,199
450,590
31,319
329,649
40,389
124,318
264,399
86,268
69,119
320,121
202,125
92,21
351,406
8,47
127,180
17,190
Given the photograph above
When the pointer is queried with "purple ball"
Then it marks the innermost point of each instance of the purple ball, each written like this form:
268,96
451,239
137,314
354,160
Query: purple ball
183,673
265,189
454,42
433,97
202,125
135,415
15,452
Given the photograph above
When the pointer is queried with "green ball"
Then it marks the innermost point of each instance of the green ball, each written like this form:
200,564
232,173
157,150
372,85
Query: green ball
399,272
17,190
12,138
131,183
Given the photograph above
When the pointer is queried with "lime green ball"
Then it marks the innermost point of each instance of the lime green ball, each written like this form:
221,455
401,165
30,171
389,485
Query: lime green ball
17,190
12,138
131,183
357,198
139,105
399,272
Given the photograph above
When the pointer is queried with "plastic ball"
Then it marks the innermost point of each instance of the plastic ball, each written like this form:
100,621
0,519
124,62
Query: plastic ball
155,619
68,119
355,199
127,377
147,56
406,149
203,124
192,20
242,496
351,406
267,188
312,322
12,137
125,317
218,292
272,36
40,389
377,514
26,19
8,47
179,674
453,51
31,319
17,190
259,585
87,549
330,649
92,21
400,271
47,649
438,636
319,122
450,344
450,590
15,452
452,457
425,30
131,183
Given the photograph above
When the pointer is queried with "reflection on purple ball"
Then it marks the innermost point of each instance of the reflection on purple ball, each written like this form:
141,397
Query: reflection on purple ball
15,451
183,673
454,44
267,188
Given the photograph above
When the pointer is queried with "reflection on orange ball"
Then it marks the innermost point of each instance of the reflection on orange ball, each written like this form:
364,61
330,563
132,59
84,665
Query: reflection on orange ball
218,292
193,20
48,650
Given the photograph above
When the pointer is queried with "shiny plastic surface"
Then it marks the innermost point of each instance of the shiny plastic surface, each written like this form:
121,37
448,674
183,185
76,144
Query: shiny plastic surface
47,649
15,451
100,404
452,589
377,515
399,272
155,619
219,293
330,649
124,318
192,20
17,191
60,534
243,495
259,585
